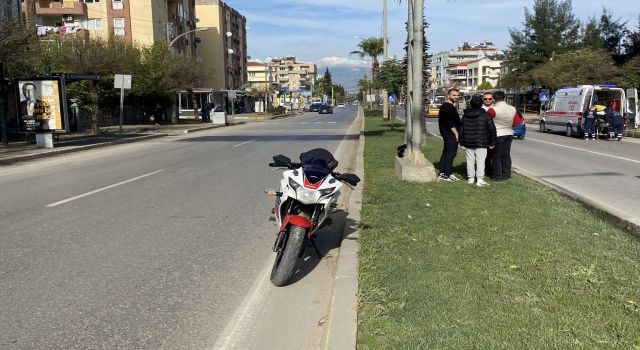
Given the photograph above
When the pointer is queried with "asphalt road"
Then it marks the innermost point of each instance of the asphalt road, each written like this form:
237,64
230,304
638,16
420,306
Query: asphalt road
606,172
164,244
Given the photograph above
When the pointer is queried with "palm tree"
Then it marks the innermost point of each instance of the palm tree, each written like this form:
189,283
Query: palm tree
370,47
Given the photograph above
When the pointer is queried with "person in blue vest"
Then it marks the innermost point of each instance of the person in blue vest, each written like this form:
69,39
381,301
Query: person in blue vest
616,124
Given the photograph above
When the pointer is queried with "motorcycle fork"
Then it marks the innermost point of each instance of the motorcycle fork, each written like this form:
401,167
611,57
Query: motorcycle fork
309,238
280,236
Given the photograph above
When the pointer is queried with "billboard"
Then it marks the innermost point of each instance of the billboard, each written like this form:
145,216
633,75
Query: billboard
40,105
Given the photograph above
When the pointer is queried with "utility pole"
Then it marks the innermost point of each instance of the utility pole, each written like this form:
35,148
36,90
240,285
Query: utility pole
416,39
3,116
385,54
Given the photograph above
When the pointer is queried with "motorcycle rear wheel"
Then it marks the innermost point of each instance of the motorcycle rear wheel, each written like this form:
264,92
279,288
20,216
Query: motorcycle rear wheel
287,256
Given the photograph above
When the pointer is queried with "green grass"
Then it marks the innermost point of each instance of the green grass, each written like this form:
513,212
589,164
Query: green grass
373,112
511,266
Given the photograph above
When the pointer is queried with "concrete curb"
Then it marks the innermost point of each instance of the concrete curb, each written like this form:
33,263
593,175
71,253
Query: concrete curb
343,316
72,149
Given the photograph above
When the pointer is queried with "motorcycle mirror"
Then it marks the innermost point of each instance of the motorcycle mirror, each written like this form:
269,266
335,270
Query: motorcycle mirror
281,160
351,179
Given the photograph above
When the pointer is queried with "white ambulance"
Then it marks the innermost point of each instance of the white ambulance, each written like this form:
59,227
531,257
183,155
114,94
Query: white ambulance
563,112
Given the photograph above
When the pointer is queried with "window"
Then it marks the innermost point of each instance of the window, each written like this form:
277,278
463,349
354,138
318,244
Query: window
90,1
117,4
252,74
118,27
92,24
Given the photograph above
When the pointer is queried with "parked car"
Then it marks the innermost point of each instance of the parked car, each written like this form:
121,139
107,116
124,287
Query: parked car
326,109
315,107
341,105
433,109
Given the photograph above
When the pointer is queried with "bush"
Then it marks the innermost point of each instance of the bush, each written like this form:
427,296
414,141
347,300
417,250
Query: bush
277,110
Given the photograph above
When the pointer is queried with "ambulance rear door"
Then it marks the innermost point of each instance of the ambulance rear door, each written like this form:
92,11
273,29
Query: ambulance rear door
632,107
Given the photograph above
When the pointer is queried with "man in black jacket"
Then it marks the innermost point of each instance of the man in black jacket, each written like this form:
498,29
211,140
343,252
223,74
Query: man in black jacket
449,124
477,133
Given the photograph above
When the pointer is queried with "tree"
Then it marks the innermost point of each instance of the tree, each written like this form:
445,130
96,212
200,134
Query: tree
364,88
328,83
591,33
17,48
486,85
549,29
586,66
632,43
612,33
426,59
371,47
392,76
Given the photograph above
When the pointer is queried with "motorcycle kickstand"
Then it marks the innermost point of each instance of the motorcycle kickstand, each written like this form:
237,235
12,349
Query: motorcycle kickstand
315,247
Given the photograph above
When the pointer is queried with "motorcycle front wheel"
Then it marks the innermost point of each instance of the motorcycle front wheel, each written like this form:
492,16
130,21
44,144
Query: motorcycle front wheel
287,256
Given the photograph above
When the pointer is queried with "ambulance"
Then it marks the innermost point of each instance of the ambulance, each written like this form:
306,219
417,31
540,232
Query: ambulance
563,112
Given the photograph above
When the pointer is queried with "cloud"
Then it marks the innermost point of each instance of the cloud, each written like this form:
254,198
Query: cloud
334,61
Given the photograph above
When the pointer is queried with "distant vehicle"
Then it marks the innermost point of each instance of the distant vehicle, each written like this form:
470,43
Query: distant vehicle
433,109
326,109
315,107
341,105
563,112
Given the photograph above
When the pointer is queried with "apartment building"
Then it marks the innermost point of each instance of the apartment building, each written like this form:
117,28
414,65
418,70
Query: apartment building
449,68
224,45
292,75
136,21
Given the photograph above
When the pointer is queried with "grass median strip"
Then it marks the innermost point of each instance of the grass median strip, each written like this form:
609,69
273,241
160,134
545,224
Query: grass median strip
511,266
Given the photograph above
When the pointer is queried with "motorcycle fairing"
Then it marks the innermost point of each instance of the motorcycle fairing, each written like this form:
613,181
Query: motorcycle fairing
297,220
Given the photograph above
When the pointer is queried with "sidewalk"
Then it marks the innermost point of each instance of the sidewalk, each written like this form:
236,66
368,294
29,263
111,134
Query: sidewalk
79,141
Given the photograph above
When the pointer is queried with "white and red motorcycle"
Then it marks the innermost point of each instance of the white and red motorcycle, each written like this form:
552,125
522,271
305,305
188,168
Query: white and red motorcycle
309,190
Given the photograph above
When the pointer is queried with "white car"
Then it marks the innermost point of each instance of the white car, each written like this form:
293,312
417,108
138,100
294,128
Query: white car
341,105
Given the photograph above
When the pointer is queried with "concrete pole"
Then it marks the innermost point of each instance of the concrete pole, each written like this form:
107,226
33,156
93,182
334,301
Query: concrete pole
416,70
385,55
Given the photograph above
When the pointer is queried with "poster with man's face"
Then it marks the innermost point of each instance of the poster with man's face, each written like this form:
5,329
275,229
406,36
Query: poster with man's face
39,106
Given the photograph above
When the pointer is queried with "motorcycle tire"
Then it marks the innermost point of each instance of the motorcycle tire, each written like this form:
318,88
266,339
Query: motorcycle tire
287,256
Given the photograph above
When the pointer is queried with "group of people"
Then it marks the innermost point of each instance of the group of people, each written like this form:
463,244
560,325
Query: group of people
485,130
610,116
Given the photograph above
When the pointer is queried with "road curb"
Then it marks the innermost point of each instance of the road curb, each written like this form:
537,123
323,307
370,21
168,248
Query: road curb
343,316
72,149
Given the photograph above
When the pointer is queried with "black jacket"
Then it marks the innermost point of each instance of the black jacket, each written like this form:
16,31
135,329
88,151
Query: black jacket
448,118
477,129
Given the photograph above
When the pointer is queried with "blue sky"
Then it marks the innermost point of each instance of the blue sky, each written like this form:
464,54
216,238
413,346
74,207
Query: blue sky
324,31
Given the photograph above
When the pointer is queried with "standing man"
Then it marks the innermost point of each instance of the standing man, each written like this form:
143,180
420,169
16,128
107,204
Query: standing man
501,157
487,101
449,124
487,105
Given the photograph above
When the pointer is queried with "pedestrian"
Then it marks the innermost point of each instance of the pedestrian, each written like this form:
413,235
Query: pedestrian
503,120
616,124
487,104
449,124
477,134
589,124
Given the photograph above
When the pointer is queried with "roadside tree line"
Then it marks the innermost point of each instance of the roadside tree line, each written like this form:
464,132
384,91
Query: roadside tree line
156,73
556,49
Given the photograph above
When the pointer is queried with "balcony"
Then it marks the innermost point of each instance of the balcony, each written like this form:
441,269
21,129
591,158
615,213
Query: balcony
46,8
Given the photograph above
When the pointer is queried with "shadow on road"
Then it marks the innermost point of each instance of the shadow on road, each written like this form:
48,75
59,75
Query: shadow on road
328,238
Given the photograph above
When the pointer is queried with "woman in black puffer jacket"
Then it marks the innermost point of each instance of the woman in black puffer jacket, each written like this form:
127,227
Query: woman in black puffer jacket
477,133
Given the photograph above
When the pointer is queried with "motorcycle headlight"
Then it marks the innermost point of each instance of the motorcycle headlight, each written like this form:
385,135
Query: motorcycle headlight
306,196
293,184
327,191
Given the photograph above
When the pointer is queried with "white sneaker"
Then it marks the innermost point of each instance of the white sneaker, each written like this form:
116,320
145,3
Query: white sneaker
471,181
481,183
453,178
443,177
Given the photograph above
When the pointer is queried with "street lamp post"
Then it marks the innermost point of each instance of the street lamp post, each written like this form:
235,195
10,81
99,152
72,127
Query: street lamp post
183,34
267,82
385,95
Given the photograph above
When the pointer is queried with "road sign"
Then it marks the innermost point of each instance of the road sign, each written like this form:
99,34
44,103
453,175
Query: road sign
543,96
122,81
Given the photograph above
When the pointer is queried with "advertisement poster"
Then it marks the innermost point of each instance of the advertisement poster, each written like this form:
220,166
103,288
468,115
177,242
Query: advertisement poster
40,107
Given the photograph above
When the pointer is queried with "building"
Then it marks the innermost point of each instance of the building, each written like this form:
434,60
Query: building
292,75
9,10
135,21
450,68
224,45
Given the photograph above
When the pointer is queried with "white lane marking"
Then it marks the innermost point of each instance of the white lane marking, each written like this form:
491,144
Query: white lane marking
584,150
333,122
244,143
101,189
318,122
304,122
246,312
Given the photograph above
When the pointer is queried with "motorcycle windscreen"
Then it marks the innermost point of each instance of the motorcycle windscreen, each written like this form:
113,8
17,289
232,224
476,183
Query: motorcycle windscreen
317,164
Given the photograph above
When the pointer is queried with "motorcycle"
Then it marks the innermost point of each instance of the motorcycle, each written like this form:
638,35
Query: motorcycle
308,193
